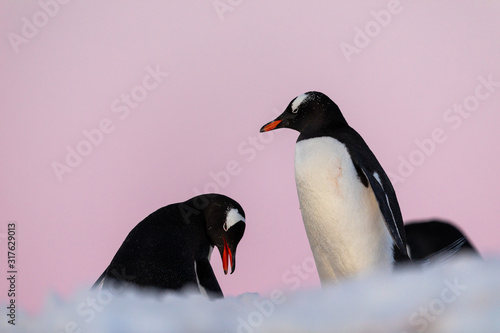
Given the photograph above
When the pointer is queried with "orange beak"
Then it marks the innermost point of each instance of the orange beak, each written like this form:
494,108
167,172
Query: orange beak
227,257
270,126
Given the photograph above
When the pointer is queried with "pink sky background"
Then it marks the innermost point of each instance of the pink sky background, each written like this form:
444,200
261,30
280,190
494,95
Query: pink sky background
230,72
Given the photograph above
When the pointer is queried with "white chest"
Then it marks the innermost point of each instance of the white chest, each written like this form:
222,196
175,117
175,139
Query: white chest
344,225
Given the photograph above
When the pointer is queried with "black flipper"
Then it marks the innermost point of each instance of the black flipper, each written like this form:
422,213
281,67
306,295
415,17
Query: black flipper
387,202
207,279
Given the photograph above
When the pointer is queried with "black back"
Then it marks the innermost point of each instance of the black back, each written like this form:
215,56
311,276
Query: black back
426,238
160,251
171,245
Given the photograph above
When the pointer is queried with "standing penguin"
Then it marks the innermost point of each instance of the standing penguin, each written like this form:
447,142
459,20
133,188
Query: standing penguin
349,208
171,248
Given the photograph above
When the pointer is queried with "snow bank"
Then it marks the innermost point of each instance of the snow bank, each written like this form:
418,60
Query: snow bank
460,296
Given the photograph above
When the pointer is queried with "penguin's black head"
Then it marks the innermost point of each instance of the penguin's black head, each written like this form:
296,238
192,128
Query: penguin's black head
225,227
311,110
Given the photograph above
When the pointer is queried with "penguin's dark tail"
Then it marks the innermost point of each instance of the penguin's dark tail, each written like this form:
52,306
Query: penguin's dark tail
446,253
436,240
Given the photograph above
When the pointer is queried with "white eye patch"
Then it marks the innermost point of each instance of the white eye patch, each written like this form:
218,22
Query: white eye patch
297,101
232,217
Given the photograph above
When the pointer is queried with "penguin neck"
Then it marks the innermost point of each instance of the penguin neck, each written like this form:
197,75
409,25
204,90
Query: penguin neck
206,244
195,221
322,128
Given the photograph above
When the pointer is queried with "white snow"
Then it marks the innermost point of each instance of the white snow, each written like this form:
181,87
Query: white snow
459,296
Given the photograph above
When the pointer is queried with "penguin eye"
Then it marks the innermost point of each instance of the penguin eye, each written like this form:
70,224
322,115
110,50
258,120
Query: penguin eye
224,226
295,110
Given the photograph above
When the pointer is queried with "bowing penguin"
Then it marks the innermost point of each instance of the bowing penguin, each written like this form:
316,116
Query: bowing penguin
170,249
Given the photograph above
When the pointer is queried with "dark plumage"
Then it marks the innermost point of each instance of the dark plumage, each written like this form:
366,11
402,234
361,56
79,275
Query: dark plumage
349,207
436,237
170,249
